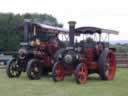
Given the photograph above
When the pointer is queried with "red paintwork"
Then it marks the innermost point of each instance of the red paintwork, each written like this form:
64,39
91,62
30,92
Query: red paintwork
82,74
69,70
110,71
59,72
45,52
89,60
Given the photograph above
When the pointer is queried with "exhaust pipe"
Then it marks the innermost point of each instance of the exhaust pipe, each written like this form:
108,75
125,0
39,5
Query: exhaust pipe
71,32
26,29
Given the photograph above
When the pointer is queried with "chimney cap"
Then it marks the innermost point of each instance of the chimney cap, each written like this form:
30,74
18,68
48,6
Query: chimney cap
27,20
72,23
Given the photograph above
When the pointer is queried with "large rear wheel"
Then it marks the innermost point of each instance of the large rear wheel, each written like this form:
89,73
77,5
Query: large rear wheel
34,69
13,69
81,73
58,71
107,65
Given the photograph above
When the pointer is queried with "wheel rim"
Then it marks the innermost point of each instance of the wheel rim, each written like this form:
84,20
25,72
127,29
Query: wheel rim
82,74
35,70
59,72
14,68
110,66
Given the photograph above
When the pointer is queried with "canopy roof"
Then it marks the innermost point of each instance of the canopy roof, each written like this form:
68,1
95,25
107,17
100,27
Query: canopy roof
92,30
44,28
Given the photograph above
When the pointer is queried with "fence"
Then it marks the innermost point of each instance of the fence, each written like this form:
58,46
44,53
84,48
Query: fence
122,59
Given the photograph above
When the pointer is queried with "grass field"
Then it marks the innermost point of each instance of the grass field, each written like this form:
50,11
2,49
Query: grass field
46,87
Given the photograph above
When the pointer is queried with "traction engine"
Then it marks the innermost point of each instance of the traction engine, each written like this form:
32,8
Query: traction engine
85,57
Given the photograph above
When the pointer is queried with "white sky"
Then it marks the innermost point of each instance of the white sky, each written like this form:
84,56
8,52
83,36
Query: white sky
111,14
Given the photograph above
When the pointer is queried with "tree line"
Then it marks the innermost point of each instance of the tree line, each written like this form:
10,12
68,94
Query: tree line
9,35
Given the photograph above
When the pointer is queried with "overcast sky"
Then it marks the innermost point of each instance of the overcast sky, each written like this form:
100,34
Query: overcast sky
111,14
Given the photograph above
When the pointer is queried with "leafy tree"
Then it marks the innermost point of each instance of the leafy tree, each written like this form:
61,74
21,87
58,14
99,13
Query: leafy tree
43,18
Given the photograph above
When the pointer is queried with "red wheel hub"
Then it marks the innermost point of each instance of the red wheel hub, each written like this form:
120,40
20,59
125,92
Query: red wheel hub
59,72
110,66
81,73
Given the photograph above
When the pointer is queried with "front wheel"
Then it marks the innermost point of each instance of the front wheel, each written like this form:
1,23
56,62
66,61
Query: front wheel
13,69
81,73
34,69
58,71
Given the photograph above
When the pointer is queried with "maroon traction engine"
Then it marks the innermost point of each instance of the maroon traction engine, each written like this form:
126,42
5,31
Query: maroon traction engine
85,57
36,55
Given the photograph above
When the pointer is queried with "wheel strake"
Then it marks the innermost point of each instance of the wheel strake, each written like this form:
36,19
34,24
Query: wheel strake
81,73
110,66
58,72
107,65
34,70
13,69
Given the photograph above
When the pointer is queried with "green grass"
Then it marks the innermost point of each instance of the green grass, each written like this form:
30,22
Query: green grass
46,87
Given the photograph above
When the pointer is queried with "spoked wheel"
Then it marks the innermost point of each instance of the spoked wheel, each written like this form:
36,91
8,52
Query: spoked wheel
107,65
34,69
81,73
13,69
58,71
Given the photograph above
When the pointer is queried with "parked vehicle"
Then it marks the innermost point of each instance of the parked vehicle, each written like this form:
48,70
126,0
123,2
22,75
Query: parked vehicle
4,58
86,56
37,50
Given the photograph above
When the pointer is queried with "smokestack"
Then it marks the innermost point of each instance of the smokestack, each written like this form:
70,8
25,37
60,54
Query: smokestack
26,29
71,32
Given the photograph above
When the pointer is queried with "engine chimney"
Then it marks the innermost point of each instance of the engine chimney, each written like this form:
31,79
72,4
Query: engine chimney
71,32
26,29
